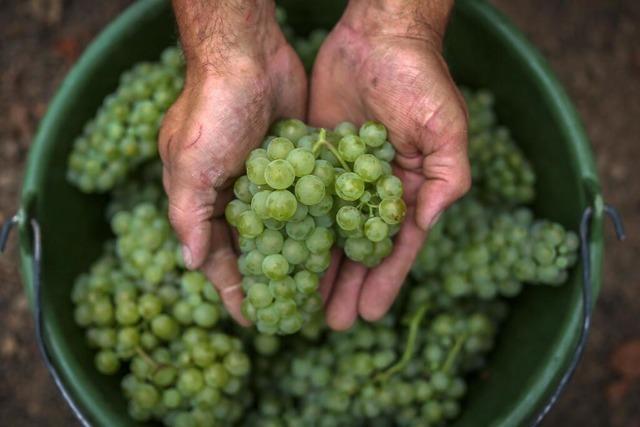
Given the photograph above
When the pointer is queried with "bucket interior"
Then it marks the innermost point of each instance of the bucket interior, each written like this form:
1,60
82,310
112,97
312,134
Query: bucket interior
533,343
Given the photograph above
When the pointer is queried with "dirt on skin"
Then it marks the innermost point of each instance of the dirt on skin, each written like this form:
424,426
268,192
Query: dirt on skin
592,46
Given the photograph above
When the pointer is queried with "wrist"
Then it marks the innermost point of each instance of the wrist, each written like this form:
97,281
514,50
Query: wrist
219,38
425,19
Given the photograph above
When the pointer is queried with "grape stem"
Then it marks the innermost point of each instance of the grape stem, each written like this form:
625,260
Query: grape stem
147,358
410,348
453,354
322,141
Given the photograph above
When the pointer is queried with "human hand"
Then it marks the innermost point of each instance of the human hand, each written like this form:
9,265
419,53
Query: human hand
383,62
241,76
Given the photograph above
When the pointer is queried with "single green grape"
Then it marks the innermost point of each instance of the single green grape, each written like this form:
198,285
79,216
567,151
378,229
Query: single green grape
292,129
253,262
107,362
325,171
373,134
318,262
279,174
281,205
385,152
300,230
348,217
375,229
275,266
206,315
349,186
246,244
278,148
320,240
164,327
273,224
259,204
310,190
233,210
382,248
241,189
290,324
358,248
392,210
268,315
294,251
249,224
259,295
389,186
301,213
256,167
368,167
323,207
306,281
346,128
307,141
351,147
284,288
270,242
302,160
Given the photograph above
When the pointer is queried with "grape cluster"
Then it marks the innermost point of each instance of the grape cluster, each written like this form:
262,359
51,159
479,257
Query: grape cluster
145,186
123,133
146,244
501,173
486,252
299,190
148,317
380,374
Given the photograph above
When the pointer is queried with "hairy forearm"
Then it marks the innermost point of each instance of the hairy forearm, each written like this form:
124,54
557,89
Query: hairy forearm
418,18
215,32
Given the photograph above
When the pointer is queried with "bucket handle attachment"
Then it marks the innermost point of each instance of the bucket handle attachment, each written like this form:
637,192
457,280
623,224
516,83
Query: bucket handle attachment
587,301
39,321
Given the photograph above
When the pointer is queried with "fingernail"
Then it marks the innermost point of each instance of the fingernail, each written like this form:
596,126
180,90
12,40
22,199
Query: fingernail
186,256
435,220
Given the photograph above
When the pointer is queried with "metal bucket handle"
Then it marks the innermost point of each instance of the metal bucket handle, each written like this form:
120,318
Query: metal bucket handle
587,299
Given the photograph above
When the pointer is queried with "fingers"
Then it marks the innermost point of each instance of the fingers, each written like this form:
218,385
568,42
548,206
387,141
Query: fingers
447,178
446,164
221,268
342,309
190,212
383,282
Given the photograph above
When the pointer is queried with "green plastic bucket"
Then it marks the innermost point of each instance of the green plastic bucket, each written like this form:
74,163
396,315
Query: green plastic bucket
538,341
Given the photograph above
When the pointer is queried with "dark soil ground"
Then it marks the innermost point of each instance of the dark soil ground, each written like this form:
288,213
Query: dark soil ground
593,47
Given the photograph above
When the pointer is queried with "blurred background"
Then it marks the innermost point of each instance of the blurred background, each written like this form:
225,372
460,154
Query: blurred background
592,46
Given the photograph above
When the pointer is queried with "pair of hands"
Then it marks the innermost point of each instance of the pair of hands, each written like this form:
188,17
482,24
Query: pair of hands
382,61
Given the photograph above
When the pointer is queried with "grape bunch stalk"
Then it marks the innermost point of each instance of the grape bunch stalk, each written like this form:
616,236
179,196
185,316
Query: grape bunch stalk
306,189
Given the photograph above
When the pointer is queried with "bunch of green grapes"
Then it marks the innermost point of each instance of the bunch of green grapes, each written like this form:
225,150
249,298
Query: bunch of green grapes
500,171
477,250
370,208
123,133
393,372
146,244
281,213
145,186
300,188
177,367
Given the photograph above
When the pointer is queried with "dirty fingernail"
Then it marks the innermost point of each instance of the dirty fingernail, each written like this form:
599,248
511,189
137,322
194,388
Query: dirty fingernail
186,256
